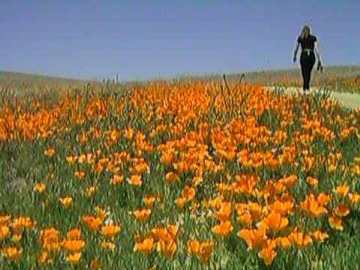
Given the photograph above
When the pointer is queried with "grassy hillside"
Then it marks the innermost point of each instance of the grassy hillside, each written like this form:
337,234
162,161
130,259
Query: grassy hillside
9,79
340,78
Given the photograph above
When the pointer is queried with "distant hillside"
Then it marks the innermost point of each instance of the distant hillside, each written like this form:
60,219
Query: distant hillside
15,80
286,77
283,76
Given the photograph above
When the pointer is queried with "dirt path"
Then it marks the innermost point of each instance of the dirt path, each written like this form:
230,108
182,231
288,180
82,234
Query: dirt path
348,100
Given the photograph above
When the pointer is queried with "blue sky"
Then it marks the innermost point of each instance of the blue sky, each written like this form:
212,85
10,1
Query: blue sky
154,38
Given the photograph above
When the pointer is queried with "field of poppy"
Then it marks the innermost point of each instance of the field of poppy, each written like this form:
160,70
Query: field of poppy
179,176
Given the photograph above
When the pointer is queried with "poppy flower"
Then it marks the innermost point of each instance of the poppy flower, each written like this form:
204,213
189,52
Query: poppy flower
354,198
49,239
108,245
342,210
91,222
39,187
73,245
167,247
300,239
135,180
224,212
142,214
110,230
44,257
335,223
223,229
283,242
171,177
268,254
193,246
74,258
312,207
312,181
144,245
4,231
206,249
12,253
254,238
342,190
116,179
319,236
49,152
149,200
74,234
66,201
4,220
79,174
276,222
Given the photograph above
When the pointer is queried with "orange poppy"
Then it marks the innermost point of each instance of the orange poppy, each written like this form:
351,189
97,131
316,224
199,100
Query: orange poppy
268,254
275,221
12,253
92,222
44,257
145,245
312,207
74,258
319,236
116,179
149,200
171,177
254,238
223,229
73,245
135,180
312,181
224,212
39,187
342,210
74,234
4,231
193,246
342,190
108,245
110,230
66,201
206,248
283,242
354,198
335,223
49,152
297,237
142,214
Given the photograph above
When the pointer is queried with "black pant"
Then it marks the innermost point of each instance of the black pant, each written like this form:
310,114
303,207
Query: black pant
307,62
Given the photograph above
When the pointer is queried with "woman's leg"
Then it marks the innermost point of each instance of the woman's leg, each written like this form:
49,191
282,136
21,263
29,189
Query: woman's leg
305,70
311,64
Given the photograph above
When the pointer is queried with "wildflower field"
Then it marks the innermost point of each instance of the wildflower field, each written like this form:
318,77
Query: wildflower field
179,176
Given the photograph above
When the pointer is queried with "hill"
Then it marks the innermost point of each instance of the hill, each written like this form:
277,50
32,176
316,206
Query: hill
346,78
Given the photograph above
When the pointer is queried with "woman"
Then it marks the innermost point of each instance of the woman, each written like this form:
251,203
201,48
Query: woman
309,47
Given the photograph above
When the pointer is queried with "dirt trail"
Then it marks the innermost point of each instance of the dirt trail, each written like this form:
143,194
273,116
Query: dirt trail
348,100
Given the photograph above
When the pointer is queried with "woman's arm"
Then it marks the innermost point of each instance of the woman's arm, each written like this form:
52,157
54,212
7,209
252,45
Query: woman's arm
318,55
296,50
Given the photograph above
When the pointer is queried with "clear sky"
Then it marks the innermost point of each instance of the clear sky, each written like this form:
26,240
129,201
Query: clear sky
154,38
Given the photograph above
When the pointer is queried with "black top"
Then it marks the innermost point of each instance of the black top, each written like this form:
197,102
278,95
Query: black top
307,43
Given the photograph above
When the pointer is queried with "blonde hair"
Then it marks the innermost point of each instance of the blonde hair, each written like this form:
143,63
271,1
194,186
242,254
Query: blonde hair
305,29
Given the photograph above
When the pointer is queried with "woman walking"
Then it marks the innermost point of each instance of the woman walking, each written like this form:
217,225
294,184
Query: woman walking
309,47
